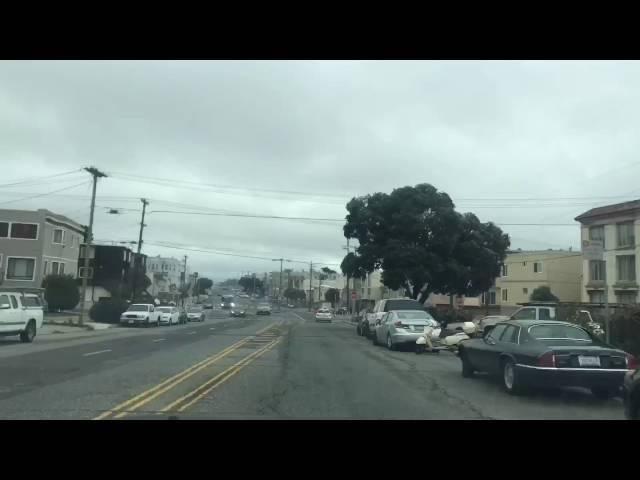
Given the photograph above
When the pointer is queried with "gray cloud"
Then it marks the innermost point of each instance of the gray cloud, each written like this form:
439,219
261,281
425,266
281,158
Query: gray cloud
498,130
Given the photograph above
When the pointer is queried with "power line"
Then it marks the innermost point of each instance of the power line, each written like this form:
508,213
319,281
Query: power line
38,179
248,215
45,194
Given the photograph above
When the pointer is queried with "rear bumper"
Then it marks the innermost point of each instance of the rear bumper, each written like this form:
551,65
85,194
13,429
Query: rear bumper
136,321
567,377
400,338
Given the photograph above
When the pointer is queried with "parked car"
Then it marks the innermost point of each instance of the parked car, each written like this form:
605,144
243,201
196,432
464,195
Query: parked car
238,312
169,315
386,305
21,313
324,315
632,394
141,314
195,313
207,306
263,309
543,353
401,327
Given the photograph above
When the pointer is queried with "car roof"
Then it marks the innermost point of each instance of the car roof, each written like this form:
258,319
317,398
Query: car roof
531,323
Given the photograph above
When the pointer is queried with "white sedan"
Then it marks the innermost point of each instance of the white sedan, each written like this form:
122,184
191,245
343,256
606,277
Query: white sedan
169,315
324,315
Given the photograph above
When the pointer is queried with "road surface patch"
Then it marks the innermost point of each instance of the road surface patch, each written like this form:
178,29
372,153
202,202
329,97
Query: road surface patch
90,354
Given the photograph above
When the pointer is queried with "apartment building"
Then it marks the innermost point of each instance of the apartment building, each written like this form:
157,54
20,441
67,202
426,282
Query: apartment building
618,227
36,243
524,271
165,274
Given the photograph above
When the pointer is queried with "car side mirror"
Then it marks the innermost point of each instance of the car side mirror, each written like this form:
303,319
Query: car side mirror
5,306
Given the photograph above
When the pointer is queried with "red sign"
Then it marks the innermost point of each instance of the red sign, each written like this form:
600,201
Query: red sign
353,295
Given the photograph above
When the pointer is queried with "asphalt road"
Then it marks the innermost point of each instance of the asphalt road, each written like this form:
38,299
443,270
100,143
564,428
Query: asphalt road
283,366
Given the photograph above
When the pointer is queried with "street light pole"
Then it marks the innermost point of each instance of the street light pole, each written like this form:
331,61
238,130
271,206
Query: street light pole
137,258
89,241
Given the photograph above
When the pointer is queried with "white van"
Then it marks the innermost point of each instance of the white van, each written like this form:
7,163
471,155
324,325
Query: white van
21,313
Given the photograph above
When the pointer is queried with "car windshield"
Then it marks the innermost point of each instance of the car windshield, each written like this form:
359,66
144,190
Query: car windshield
268,238
559,332
138,308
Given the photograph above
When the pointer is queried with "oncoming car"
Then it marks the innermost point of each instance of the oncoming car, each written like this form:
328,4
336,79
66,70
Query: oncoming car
324,315
263,309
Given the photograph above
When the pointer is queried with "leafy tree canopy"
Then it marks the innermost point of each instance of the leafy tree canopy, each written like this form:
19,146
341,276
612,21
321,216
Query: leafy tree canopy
543,294
421,243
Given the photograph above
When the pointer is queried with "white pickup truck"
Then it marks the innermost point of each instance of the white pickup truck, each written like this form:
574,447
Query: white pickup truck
21,313
141,314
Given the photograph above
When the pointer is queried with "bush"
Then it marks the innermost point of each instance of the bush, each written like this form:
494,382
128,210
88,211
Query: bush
61,292
108,311
625,330
449,315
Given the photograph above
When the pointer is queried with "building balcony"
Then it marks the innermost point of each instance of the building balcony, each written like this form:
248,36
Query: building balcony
625,285
595,285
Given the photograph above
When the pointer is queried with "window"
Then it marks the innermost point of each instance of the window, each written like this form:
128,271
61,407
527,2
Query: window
626,237
505,270
497,331
61,269
20,268
54,268
4,229
31,301
537,267
492,298
558,331
58,236
14,302
596,297
545,314
525,314
45,267
510,334
505,295
597,233
27,231
4,300
596,270
525,291
627,297
626,268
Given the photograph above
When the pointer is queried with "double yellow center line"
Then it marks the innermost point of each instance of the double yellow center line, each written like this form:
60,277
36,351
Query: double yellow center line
189,399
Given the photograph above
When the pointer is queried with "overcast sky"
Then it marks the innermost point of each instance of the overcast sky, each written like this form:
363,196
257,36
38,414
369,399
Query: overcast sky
513,142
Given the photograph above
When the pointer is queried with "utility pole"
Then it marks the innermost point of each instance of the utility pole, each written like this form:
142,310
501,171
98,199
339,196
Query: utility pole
95,173
310,284
137,259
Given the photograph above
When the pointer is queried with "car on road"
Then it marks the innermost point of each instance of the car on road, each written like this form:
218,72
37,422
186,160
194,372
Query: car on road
169,315
238,312
207,306
21,313
324,315
263,309
141,314
545,353
386,305
195,313
632,394
227,302
401,328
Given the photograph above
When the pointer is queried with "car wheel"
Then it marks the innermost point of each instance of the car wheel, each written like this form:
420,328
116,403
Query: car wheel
29,332
510,379
467,368
420,349
390,344
602,393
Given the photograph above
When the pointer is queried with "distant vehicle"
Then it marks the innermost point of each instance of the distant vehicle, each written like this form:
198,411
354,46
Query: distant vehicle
141,314
263,309
207,306
544,353
238,312
169,315
632,393
290,305
324,315
21,313
227,302
386,305
401,327
195,313
490,321
243,295
341,311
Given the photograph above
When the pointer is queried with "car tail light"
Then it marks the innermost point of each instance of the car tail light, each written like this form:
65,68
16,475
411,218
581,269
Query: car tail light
632,362
547,360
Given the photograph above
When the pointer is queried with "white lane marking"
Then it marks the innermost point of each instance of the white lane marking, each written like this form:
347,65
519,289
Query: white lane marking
191,333
212,328
96,353
303,319
159,340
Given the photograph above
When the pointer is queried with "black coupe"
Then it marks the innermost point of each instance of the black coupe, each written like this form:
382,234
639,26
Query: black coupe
538,353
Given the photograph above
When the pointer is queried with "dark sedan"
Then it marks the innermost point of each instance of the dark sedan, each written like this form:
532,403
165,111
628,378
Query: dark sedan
632,395
538,353
238,312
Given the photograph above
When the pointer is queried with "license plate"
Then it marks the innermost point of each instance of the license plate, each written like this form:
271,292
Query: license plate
585,361
130,321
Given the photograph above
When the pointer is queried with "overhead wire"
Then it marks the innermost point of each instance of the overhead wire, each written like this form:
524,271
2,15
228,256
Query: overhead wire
40,178
46,193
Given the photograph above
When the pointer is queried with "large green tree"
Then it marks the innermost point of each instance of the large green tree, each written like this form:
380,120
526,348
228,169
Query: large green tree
332,295
422,244
543,294
251,284
202,284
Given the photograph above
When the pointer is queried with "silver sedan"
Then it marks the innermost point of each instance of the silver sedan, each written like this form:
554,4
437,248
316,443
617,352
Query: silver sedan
399,327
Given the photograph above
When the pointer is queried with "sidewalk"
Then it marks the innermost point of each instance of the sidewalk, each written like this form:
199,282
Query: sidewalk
71,321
